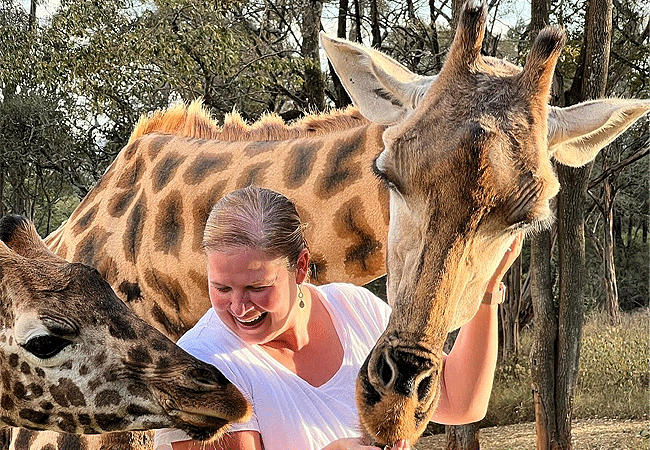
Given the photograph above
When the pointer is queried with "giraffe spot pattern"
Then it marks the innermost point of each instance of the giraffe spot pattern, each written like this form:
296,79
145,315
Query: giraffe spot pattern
205,165
168,287
100,359
158,345
35,389
110,422
69,442
300,163
107,397
136,390
37,417
363,256
137,410
340,168
164,171
24,439
201,210
131,290
13,360
19,391
66,422
85,220
169,224
119,204
7,402
120,328
199,280
140,355
253,175
24,368
9,421
92,243
258,147
134,226
174,330
131,175
157,144
46,406
67,393
94,384
163,363
131,149
84,419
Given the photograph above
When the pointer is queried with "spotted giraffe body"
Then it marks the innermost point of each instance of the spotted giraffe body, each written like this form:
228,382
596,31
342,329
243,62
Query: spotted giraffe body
142,225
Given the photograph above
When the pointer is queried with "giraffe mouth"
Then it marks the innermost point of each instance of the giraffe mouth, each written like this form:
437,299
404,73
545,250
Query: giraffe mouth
199,426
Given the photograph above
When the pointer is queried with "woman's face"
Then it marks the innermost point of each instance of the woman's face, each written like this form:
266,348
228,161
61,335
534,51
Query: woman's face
253,294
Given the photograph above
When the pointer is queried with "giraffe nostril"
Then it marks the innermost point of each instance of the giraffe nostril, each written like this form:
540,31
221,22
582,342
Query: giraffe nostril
424,387
384,370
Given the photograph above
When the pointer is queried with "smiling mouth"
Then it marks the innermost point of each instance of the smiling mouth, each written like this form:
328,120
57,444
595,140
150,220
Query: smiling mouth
251,322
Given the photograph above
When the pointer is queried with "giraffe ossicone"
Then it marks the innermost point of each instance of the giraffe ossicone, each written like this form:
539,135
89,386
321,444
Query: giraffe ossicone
74,358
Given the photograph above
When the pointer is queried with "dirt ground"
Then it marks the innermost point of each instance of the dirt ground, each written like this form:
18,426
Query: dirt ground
594,434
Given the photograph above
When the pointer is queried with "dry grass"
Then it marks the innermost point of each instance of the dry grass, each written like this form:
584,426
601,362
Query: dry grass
596,434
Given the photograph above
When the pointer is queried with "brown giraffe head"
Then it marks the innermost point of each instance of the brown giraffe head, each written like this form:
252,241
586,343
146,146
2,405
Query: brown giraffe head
75,358
467,158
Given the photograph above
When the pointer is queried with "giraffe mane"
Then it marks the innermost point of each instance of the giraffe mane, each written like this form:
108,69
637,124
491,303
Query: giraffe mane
195,121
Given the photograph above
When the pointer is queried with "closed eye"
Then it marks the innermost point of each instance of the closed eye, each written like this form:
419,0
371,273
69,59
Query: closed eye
383,176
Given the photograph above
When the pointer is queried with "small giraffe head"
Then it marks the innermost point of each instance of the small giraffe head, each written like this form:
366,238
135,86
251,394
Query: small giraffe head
75,358
467,158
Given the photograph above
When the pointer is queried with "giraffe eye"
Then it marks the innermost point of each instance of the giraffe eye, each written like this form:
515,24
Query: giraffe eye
46,346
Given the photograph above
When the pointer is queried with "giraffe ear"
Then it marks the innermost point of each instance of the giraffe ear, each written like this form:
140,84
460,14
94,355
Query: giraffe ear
384,90
20,236
576,134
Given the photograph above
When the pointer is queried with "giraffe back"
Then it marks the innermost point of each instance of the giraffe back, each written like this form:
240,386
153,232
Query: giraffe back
141,226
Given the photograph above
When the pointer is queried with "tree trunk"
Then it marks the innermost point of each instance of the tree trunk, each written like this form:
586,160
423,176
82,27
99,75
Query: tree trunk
355,33
509,312
557,342
611,290
342,98
464,437
314,85
545,335
374,24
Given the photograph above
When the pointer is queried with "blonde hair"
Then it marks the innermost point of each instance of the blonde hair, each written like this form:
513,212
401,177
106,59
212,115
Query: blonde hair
256,218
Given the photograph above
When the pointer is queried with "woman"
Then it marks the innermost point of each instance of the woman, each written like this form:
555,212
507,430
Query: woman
295,349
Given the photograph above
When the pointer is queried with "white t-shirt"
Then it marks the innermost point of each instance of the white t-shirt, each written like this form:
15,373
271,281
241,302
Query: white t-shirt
288,412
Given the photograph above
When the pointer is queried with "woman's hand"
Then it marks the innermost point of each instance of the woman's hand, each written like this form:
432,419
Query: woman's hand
511,254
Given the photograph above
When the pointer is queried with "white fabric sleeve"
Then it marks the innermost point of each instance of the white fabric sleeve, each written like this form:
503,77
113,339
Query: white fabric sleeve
164,437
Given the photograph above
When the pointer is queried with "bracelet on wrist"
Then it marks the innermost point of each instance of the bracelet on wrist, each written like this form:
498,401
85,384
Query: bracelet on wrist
495,298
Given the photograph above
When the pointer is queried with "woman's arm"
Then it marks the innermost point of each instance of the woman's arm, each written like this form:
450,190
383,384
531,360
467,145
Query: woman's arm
237,440
468,370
